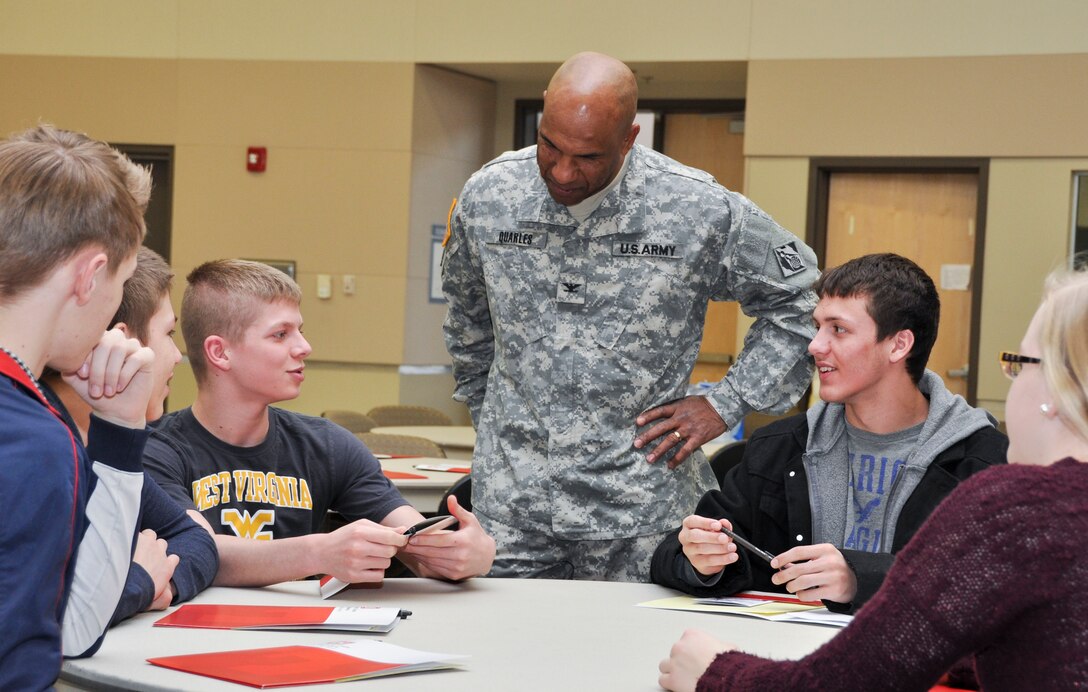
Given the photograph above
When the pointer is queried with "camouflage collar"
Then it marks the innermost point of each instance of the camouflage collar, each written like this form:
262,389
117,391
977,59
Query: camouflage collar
621,212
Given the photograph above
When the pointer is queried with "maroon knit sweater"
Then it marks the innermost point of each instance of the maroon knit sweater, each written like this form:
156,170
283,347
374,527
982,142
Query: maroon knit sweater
1000,571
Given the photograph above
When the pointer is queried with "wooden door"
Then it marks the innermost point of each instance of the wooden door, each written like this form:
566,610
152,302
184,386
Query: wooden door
928,217
705,141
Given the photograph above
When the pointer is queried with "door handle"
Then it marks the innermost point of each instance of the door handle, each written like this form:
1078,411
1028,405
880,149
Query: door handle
960,372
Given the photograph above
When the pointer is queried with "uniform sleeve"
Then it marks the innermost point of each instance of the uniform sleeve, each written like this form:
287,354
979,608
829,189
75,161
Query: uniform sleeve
105,549
199,559
468,332
770,272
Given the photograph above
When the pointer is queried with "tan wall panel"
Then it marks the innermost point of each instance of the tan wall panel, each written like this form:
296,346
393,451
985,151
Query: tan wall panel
292,30
453,115
365,328
115,99
118,28
452,131
862,28
1027,235
779,186
332,211
438,30
296,104
523,31
990,106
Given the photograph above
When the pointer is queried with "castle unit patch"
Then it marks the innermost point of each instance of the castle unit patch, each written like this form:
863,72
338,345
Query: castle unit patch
789,259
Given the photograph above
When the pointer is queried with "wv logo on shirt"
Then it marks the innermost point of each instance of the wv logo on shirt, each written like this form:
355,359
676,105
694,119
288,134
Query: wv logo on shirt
248,525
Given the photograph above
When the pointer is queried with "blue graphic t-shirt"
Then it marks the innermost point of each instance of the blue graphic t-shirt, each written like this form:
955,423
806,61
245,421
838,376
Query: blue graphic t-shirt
875,461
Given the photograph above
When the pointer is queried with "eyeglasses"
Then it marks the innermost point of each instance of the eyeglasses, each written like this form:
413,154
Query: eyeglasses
1012,363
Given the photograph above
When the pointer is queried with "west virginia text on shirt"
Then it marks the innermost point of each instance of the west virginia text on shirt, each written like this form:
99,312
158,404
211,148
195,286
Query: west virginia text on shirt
251,486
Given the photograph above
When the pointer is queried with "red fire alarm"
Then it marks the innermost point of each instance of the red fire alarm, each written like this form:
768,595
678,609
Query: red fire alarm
256,159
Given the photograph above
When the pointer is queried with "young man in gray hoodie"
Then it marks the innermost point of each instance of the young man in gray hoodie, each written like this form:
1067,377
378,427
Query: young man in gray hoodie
835,492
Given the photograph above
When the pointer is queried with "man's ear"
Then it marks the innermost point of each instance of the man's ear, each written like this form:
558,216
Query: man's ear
902,343
124,329
89,264
217,352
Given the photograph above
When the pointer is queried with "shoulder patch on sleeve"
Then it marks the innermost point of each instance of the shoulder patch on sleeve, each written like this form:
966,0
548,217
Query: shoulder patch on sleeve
789,259
449,222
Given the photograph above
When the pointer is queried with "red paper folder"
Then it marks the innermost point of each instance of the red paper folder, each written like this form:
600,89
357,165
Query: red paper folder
306,665
229,617
403,475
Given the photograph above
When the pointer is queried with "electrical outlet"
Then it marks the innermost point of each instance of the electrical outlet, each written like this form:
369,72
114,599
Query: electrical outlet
324,286
349,284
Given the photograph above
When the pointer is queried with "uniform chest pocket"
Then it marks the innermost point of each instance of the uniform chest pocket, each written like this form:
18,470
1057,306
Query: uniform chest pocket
652,312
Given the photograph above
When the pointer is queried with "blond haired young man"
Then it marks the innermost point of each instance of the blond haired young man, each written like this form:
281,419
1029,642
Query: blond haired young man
259,473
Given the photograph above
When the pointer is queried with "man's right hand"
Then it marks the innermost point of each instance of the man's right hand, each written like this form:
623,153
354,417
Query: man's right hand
361,551
115,380
151,554
705,546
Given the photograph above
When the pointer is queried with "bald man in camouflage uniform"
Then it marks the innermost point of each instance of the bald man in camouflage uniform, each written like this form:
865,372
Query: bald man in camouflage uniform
578,273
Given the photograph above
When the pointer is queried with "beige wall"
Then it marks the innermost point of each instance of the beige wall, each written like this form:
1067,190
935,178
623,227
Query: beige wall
985,106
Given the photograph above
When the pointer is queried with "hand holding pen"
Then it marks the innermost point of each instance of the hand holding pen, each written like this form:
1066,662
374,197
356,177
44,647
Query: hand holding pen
705,546
812,572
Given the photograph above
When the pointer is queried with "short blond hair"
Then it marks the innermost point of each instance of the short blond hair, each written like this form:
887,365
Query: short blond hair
61,191
1063,318
220,300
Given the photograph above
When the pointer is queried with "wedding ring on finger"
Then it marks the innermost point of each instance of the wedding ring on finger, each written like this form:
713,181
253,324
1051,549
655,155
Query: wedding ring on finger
677,435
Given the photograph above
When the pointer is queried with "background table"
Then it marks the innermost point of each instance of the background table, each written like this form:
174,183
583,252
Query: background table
424,493
523,635
457,441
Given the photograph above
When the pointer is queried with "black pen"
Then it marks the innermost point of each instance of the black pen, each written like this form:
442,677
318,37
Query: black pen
747,544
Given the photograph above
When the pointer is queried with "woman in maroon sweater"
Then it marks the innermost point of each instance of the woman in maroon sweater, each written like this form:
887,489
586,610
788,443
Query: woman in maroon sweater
999,572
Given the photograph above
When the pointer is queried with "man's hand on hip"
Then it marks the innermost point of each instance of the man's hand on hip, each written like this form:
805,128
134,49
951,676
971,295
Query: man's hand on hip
689,422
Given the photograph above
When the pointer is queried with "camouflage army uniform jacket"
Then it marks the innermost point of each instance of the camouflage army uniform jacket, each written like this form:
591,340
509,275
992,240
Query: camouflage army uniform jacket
562,333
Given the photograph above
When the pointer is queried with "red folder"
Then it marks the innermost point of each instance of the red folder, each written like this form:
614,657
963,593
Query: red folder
307,665
402,475
229,617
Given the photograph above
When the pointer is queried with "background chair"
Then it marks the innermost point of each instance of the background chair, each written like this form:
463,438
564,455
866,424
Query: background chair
401,445
408,415
726,458
352,420
462,490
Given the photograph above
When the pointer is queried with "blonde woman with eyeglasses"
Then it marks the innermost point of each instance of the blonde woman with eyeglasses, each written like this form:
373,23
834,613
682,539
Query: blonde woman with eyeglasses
997,579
